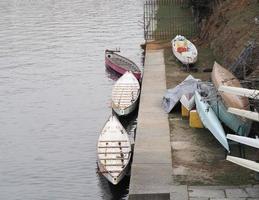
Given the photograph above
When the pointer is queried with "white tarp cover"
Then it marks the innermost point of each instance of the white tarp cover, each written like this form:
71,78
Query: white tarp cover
173,95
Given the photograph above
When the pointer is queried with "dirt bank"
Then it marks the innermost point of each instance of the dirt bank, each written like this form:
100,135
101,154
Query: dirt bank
197,157
229,28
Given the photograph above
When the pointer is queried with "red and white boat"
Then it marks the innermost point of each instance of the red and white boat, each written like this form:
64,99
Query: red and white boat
121,64
184,50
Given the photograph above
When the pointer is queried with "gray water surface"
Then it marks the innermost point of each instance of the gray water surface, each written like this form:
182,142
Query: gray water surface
55,93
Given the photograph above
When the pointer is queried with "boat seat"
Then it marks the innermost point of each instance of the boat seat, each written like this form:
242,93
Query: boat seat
119,152
120,165
113,146
122,158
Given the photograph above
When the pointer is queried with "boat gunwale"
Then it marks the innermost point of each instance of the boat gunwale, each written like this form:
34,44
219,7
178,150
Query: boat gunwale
129,152
136,70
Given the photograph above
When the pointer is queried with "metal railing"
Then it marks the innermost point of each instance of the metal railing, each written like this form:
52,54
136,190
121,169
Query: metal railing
163,19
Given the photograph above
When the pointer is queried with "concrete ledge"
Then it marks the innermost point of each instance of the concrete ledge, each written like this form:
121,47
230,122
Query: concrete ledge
161,196
179,192
151,170
150,178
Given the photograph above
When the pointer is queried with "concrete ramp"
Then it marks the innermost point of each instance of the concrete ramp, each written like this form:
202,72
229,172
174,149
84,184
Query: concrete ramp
151,171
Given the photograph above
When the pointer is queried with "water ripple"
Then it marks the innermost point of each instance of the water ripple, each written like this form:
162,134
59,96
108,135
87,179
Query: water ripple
55,93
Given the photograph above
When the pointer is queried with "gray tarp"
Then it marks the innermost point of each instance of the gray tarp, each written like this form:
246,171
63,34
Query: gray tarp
173,95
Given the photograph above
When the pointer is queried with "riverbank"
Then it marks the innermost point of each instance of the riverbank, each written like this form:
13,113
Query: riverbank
198,168
197,157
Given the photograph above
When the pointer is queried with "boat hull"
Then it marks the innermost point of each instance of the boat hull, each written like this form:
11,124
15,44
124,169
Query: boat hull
125,94
189,57
210,120
221,76
114,150
239,125
188,101
109,177
173,95
121,69
124,112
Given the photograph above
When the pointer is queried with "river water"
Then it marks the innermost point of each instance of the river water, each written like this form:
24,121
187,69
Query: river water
55,93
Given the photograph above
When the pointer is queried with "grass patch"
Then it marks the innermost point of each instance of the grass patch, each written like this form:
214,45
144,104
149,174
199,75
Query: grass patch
174,19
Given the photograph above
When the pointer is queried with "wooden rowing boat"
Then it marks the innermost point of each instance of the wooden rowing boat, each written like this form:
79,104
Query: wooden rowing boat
125,94
184,50
121,64
244,163
113,151
221,76
253,142
210,120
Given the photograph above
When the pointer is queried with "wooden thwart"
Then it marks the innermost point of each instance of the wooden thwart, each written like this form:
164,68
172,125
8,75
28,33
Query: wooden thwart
113,146
114,158
117,152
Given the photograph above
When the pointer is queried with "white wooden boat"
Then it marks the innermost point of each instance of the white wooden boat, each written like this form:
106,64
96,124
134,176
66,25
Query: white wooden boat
125,94
187,100
244,163
210,120
114,151
253,142
253,94
245,113
184,50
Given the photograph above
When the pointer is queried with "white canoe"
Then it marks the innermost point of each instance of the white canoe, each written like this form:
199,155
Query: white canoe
187,100
114,151
244,140
244,113
253,94
125,94
244,163
188,57
210,120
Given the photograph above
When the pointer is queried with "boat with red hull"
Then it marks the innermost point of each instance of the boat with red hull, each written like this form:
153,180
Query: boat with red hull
121,64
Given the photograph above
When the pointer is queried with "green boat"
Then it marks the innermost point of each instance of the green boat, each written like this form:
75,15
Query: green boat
240,126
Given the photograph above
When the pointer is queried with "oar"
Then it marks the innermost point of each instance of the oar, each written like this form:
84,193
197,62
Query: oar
253,94
244,163
244,113
253,142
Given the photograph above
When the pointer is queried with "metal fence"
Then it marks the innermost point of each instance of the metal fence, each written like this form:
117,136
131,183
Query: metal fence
163,19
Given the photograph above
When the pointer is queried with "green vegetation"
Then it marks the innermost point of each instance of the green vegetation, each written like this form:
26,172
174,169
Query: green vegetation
173,19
